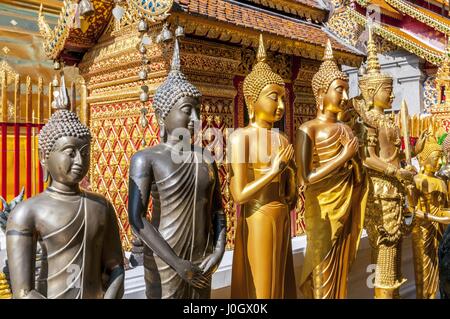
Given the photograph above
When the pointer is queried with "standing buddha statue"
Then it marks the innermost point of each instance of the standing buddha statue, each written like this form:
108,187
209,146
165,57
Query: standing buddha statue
77,231
186,237
433,216
385,219
336,188
263,183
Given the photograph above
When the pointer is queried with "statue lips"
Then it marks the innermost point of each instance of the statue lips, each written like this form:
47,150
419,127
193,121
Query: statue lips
77,170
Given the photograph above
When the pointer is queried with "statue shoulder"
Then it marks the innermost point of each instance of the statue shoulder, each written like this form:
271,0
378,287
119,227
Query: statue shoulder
308,128
97,198
144,158
24,214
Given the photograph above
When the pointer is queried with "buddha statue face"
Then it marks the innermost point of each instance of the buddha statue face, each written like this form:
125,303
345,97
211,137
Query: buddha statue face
336,97
68,162
269,106
433,162
384,96
184,113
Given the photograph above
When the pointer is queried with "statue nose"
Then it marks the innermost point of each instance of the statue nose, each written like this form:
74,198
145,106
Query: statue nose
345,95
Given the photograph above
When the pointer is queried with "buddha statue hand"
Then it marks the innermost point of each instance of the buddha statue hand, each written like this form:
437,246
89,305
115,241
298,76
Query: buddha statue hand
192,274
210,264
350,148
281,159
405,175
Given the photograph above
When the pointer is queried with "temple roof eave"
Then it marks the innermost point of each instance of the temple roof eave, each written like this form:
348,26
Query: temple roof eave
401,39
423,15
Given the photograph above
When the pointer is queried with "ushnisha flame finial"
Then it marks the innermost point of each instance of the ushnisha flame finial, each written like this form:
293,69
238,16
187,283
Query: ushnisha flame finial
176,64
261,56
61,99
328,54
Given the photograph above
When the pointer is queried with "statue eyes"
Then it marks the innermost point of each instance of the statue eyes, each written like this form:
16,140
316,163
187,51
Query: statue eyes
273,96
69,152
186,110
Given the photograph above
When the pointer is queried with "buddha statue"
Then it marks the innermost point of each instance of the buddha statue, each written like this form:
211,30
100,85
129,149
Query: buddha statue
77,231
385,219
330,168
185,240
429,227
263,182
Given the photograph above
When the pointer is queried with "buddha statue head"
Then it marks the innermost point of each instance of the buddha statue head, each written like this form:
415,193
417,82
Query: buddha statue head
376,87
176,101
264,90
330,84
430,157
64,145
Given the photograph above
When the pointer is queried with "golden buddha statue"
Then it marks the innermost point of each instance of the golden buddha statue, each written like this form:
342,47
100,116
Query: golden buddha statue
336,188
263,183
429,227
385,221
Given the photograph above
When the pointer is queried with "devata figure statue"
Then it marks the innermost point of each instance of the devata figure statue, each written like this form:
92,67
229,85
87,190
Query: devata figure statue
433,217
185,240
263,183
385,218
81,253
336,187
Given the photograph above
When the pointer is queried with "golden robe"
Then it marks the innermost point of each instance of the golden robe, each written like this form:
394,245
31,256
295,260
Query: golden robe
426,236
334,215
262,261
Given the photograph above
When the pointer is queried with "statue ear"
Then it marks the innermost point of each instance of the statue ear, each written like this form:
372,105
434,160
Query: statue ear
320,96
250,107
43,161
162,126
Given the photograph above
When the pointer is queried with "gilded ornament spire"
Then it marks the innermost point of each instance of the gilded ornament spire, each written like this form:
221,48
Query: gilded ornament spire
261,56
373,65
328,54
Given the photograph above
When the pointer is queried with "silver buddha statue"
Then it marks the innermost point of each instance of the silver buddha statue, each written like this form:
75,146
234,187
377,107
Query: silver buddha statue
77,231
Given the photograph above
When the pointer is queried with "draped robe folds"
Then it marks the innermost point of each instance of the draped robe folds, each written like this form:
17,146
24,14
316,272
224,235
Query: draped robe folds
63,254
334,216
183,224
426,236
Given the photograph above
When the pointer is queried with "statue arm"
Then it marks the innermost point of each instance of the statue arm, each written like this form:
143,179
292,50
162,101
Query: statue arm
210,264
140,181
21,247
242,190
219,217
292,185
304,148
112,257
372,161
443,219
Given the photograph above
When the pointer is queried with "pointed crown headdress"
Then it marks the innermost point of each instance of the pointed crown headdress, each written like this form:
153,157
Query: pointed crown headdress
260,76
431,146
328,72
174,87
373,77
